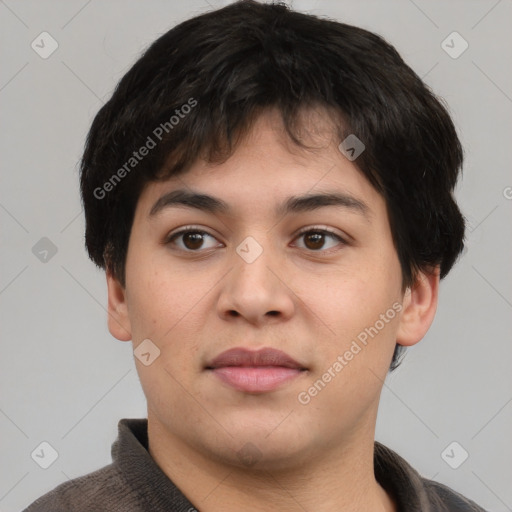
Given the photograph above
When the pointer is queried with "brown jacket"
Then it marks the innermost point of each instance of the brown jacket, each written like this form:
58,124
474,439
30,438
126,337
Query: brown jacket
134,483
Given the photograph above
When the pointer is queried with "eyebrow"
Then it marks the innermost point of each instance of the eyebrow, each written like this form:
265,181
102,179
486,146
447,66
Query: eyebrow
294,204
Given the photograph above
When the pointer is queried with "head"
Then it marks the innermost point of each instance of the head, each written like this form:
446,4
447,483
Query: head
249,104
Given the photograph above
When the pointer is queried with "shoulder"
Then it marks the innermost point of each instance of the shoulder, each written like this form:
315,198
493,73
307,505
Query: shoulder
103,489
444,499
414,492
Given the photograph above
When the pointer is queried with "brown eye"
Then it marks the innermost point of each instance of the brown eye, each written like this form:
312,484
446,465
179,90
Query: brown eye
315,239
191,239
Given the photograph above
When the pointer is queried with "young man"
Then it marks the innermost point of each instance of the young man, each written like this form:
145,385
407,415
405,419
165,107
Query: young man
270,194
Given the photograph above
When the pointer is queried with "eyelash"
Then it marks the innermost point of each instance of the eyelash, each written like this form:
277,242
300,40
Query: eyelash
191,229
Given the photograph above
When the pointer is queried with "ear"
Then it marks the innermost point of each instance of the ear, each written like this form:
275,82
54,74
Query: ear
419,308
118,318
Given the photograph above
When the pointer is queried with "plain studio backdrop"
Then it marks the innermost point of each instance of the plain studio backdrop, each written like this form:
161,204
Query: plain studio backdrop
66,381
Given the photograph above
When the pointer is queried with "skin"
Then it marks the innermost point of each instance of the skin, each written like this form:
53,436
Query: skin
308,298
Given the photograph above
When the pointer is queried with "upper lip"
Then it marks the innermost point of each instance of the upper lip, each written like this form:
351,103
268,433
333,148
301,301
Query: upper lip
244,357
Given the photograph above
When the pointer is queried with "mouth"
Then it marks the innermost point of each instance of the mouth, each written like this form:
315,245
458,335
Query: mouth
258,371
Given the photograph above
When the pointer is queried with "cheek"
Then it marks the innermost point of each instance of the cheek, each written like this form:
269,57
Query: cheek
157,298
351,302
169,309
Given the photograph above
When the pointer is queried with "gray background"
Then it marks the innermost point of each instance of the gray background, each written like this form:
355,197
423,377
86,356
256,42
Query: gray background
66,381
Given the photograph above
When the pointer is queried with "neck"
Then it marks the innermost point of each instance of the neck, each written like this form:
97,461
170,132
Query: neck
342,479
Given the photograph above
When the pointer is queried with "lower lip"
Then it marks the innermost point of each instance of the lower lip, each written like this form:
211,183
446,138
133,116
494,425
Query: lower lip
256,379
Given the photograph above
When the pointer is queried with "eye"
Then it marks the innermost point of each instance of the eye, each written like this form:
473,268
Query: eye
192,239
315,238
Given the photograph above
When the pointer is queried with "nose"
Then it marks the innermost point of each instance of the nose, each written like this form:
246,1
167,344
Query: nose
258,287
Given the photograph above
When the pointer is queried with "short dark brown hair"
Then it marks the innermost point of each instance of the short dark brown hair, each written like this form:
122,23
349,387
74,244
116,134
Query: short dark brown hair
199,88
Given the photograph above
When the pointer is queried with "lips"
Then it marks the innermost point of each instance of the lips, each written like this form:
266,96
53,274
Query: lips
263,357
255,371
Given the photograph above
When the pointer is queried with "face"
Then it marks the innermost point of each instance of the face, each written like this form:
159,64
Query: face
318,280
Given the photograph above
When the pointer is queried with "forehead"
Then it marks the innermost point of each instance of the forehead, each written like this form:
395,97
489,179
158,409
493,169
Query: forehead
268,168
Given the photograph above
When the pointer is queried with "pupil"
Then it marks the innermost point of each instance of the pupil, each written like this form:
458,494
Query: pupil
316,238
193,241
